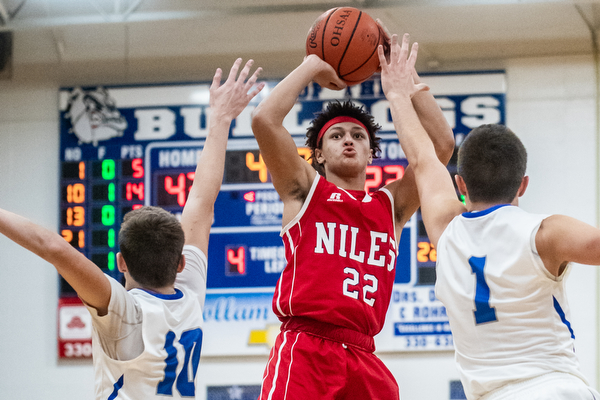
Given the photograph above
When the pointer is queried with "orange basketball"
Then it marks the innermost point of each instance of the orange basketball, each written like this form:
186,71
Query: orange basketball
347,39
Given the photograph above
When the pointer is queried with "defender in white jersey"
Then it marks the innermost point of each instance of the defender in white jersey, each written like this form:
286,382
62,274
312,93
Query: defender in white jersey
147,336
500,270
517,312
147,331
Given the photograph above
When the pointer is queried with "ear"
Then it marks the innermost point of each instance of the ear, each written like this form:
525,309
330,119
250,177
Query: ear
181,265
370,157
319,156
460,184
523,187
121,264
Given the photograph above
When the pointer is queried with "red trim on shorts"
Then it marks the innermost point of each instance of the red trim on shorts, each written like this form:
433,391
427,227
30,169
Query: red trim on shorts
330,332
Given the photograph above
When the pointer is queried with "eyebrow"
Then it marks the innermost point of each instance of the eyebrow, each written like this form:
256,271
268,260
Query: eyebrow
354,128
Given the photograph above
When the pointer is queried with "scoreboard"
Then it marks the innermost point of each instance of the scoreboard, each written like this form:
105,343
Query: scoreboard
245,232
91,214
123,147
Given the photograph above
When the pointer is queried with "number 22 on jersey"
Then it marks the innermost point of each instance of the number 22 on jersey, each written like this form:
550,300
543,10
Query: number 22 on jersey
483,312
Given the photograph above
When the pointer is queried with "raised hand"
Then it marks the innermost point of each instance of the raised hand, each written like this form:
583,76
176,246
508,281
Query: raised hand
233,96
398,74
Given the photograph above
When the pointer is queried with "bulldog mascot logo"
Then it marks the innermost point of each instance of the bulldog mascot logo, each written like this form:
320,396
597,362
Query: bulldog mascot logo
94,116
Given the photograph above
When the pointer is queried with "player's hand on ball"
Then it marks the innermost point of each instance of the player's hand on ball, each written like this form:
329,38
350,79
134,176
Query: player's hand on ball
324,74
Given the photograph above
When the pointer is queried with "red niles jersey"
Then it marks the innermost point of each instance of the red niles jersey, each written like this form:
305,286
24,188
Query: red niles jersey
341,258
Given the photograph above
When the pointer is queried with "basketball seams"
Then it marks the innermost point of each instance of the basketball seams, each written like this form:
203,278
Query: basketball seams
324,30
368,59
352,62
348,44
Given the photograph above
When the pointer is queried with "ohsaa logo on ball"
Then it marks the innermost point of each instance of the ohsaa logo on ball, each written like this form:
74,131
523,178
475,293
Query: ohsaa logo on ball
347,39
339,27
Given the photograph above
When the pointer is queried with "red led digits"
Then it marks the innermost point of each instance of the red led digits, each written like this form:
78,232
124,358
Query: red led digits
236,261
375,181
136,189
178,189
178,186
132,190
138,168
396,172
250,196
378,176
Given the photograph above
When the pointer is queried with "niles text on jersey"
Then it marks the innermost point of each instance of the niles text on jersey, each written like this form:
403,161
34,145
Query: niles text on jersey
341,239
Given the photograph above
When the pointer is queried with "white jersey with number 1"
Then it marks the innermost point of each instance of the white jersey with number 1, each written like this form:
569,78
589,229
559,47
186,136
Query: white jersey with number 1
509,316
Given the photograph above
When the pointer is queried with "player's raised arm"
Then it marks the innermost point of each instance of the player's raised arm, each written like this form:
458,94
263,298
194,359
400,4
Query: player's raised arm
435,189
290,174
429,112
227,101
83,275
433,121
562,239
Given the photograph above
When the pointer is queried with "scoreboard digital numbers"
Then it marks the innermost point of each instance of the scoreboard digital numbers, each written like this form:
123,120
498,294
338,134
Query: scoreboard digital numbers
123,147
90,210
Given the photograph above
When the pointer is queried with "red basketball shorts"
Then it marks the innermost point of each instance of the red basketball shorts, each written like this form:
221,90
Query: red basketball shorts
304,366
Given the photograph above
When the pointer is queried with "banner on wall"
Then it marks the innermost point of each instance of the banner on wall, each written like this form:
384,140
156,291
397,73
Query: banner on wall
127,146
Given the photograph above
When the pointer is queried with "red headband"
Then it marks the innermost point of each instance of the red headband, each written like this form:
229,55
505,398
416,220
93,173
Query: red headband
338,120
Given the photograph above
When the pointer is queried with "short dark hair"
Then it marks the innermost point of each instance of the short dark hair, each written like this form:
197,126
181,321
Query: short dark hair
336,109
492,161
151,241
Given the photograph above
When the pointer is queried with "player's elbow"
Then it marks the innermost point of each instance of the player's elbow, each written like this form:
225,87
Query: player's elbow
590,250
419,161
260,119
265,119
52,247
445,146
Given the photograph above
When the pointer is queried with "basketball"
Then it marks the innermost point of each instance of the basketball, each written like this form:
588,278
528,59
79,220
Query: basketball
347,39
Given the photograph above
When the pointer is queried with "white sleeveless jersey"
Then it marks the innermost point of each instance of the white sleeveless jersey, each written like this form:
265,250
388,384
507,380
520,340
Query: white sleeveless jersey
171,333
508,315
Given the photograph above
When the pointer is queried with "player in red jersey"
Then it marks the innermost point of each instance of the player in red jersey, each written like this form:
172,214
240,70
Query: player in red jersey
340,242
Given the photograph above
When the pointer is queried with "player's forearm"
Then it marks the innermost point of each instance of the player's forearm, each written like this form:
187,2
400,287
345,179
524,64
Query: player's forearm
30,236
273,109
197,214
277,147
85,277
210,167
435,124
415,141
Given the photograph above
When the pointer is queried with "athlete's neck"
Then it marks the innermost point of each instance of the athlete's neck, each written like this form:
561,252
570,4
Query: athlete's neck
357,183
474,207
132,284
